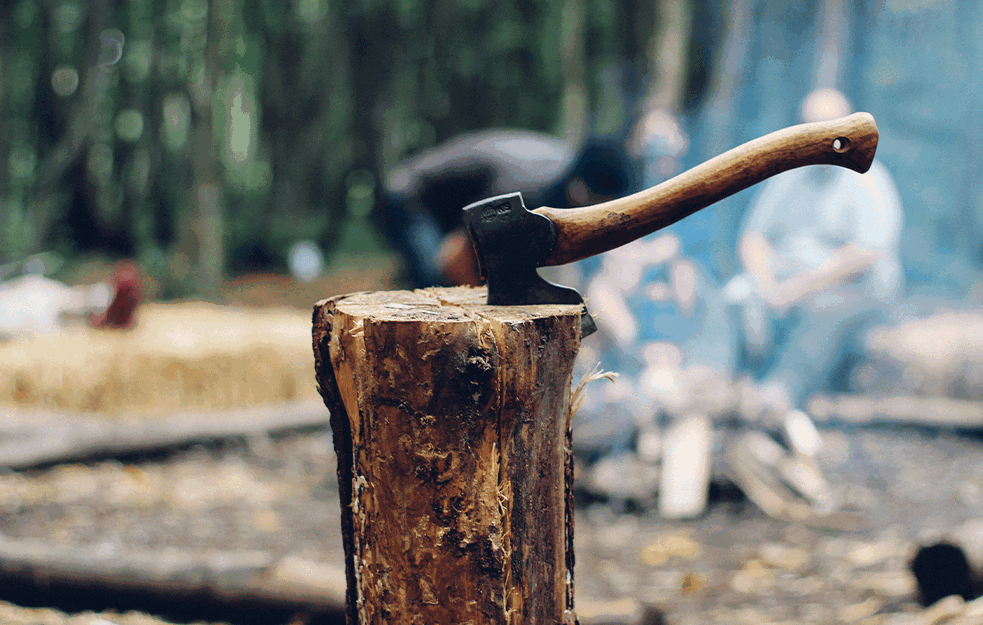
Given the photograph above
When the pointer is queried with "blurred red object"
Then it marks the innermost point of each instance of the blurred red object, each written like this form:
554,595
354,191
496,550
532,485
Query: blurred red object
127,294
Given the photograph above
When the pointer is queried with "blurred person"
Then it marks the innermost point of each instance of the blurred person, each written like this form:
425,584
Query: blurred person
820,251
686,309
33,303
659,138
661,322
127,293
650,292
420,208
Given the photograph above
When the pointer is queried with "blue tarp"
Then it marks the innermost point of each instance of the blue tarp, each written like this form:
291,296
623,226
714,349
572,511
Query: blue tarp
916,65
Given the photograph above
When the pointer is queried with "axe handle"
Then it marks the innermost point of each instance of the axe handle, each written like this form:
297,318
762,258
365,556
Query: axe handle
582,232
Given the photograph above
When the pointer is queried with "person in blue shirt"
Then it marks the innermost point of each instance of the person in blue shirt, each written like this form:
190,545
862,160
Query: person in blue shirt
821,255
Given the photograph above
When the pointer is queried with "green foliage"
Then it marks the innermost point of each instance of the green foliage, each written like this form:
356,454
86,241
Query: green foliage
295,108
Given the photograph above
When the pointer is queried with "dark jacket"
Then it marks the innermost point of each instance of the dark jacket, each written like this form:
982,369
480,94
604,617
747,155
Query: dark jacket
422,197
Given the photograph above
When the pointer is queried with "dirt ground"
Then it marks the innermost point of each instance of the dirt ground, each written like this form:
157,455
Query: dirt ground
902,487
732,565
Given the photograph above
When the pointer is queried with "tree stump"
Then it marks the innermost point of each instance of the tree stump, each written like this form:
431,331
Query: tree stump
451,423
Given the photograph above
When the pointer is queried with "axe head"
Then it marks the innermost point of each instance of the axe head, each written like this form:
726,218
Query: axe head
511,242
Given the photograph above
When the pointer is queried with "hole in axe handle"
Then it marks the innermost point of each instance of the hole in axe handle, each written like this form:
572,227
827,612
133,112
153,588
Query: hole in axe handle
841,144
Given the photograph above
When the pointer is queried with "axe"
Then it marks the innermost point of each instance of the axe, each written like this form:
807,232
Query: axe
511,241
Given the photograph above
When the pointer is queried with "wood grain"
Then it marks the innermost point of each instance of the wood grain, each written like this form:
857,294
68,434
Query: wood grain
451,430
583,232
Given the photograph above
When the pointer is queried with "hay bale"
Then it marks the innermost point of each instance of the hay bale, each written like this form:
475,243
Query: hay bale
177,356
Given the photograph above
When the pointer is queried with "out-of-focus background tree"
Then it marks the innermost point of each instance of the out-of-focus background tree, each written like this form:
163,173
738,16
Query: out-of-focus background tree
209,140
204,137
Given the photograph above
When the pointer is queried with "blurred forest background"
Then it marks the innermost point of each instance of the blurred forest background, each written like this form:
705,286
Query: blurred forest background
204,137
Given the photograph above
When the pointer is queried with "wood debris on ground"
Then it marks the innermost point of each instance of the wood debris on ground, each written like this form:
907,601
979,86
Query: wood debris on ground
730,564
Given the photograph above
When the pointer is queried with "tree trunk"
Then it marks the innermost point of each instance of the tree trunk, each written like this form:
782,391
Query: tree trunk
452,431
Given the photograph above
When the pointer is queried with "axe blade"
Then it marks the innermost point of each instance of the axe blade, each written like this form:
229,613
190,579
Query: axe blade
521,240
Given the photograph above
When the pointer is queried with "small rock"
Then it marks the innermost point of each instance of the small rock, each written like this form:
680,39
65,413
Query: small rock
754,577
862,610
893,585
782,557
266,520
669,546
943,610
868,554
693,583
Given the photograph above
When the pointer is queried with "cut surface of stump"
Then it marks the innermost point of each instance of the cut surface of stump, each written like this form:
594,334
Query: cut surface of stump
451,427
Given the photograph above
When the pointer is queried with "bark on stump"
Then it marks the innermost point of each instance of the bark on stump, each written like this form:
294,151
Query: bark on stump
451,427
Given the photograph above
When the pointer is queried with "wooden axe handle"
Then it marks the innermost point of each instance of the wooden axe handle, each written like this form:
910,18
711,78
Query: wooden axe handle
582,232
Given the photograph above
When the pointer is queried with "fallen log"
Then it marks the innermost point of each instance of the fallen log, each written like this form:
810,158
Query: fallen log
233,578
30,437
931,411
230,576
